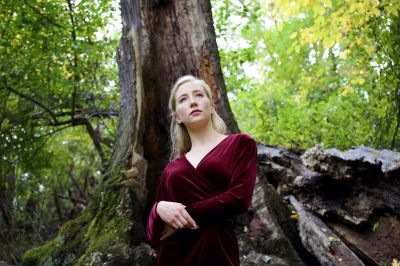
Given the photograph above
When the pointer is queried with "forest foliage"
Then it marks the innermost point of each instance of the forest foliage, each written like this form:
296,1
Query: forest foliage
298,73
58,108
302,73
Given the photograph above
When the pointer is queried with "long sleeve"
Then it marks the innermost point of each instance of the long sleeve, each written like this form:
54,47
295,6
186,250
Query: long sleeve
155,224
237,198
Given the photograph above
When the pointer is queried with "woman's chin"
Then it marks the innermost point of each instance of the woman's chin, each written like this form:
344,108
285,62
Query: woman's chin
197,124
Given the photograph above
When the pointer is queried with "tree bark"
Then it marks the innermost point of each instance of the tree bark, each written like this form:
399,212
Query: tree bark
161,41
7,224
172,38
7,187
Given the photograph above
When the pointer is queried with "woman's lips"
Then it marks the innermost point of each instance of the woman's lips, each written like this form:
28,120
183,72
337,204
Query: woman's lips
195,111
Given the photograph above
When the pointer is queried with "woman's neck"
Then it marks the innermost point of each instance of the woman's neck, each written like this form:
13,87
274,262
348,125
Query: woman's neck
204,136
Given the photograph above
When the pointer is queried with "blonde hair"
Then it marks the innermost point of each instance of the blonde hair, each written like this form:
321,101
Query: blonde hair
180,138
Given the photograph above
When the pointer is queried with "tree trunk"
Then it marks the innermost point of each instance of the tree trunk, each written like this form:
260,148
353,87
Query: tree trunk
161,41
169,39
7,190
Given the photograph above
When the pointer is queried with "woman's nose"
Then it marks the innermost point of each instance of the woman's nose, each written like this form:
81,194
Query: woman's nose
192,101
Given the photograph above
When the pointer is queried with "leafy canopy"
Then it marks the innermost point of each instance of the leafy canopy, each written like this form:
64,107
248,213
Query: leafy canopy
301,73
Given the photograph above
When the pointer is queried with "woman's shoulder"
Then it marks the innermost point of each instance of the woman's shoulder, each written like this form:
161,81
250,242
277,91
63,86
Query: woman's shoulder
243,137
174,164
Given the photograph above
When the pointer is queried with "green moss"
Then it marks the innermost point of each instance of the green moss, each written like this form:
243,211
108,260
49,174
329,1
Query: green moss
100,232
36,256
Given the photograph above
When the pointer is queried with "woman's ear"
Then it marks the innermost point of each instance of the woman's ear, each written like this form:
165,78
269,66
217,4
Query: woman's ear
175,116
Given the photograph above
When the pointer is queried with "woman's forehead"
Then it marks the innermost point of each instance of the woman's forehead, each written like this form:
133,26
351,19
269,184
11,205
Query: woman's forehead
188,87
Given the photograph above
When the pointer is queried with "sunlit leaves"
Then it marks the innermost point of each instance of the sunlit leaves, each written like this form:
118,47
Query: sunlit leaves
324,69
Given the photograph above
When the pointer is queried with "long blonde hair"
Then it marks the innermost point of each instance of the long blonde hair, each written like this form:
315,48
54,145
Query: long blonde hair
180,138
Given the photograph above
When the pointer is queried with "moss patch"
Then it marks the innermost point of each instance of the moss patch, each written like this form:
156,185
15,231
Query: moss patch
100,233
36,256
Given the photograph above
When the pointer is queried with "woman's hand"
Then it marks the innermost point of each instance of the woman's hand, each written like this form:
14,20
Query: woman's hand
174,213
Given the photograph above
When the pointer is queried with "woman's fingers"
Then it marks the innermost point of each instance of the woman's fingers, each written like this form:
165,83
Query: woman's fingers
179,222
175,214
186,220
190,222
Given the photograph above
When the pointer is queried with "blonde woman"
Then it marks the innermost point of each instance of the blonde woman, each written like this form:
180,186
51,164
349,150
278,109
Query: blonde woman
209,180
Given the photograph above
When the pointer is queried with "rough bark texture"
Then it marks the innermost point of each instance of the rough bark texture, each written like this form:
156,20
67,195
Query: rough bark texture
320,240
268,234
351,197
176,38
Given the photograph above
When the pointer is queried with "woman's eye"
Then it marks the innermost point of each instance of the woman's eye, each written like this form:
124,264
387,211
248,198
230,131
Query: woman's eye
182,99
199,95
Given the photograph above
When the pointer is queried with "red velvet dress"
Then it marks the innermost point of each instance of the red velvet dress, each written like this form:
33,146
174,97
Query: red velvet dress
220,187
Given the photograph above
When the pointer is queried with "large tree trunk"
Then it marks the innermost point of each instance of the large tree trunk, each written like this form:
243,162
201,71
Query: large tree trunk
161,40
169,39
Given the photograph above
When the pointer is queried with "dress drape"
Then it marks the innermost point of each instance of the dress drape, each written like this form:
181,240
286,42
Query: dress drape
218,188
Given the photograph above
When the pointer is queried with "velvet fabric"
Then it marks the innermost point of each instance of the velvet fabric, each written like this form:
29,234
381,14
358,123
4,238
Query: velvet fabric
220,187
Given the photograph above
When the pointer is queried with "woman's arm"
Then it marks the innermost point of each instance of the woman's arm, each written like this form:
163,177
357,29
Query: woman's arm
155,224
237,198
166,213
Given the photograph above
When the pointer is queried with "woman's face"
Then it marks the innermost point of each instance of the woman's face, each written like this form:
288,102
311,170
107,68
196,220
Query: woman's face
193,107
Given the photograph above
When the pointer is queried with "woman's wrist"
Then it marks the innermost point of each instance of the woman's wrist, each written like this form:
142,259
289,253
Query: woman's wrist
157,208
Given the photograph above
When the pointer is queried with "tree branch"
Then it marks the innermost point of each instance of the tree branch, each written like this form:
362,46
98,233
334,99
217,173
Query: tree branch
87,112
37,11
75,65
76,184
58,207
30,99
92,133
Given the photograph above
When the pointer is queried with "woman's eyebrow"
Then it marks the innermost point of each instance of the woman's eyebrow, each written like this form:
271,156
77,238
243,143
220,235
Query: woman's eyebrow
186,93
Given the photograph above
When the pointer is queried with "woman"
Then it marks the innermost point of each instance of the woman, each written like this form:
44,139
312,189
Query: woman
209,181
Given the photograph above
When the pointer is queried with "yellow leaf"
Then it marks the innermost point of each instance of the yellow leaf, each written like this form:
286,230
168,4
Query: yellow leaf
369,49
376,12
318,9
392,10
395,262
345,54
293,35
328,42
328,3
347,91
297,48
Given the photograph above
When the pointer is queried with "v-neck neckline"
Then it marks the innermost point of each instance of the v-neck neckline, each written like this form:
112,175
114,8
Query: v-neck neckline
208,153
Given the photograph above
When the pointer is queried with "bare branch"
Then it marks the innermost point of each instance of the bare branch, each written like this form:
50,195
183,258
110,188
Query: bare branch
30,99
83,113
